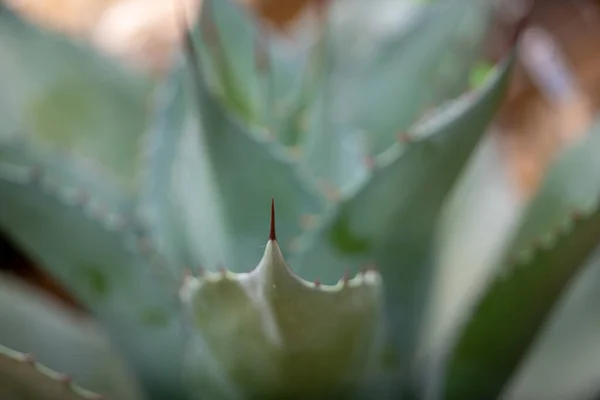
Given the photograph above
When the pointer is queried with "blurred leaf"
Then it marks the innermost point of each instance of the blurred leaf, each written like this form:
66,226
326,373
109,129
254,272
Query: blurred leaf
506,320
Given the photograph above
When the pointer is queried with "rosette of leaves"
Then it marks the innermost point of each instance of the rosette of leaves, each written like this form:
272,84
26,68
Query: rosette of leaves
148,200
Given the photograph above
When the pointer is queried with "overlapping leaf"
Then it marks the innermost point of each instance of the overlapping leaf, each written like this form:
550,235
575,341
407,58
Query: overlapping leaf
60,98
68,168
514,307
390,220
391,79
222,179
61,339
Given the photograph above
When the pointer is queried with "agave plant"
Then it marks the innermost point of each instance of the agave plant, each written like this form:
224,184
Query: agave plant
148,200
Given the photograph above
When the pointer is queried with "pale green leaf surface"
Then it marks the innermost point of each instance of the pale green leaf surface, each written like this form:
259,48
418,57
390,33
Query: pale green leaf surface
391,219
224,178
21,381
68,167
62,339
334,154
61,98
512,310
570,338
399,76
247,63
475,226
156,204
564,363
101,264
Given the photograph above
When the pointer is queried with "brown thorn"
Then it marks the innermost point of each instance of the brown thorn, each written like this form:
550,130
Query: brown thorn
28,359
371,267
272,235
65,379
317,283
369,162
346,277
404,137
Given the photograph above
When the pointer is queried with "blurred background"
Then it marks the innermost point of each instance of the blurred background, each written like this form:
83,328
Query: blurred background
553,94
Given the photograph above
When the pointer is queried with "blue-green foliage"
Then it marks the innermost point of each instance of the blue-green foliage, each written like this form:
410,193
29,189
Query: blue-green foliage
117,185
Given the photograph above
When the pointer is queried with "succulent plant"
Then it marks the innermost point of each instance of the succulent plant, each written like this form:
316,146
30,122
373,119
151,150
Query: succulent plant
148,200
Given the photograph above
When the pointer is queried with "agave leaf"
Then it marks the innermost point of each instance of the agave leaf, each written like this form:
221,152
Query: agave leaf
219,170
339,342
61,339
76,218
390,220
23,379
508,317
570,339
334,154
60,97
227,45
102,267
162,146
247,64
475,226
393,78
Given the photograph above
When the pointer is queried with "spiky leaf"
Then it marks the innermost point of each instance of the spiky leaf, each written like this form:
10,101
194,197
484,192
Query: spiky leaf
60,98
390,220
514,307
223,175
293,337
24,379
400,70
73,217
62,339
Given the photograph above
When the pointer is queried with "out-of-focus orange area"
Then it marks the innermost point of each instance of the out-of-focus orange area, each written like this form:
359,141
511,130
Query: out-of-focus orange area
535,124
534,121
141,31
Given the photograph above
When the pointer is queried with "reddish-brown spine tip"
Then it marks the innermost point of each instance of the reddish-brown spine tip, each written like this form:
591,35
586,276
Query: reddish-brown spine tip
28,359
65,379
272,235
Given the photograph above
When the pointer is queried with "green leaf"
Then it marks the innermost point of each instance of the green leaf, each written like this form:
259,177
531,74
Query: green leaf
513,307
570,339
391,219
60,98
21,380
300,339
224,176
100,258
160,213
561,194
61,339
333,154
67,183
475,226
250,66
394,78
